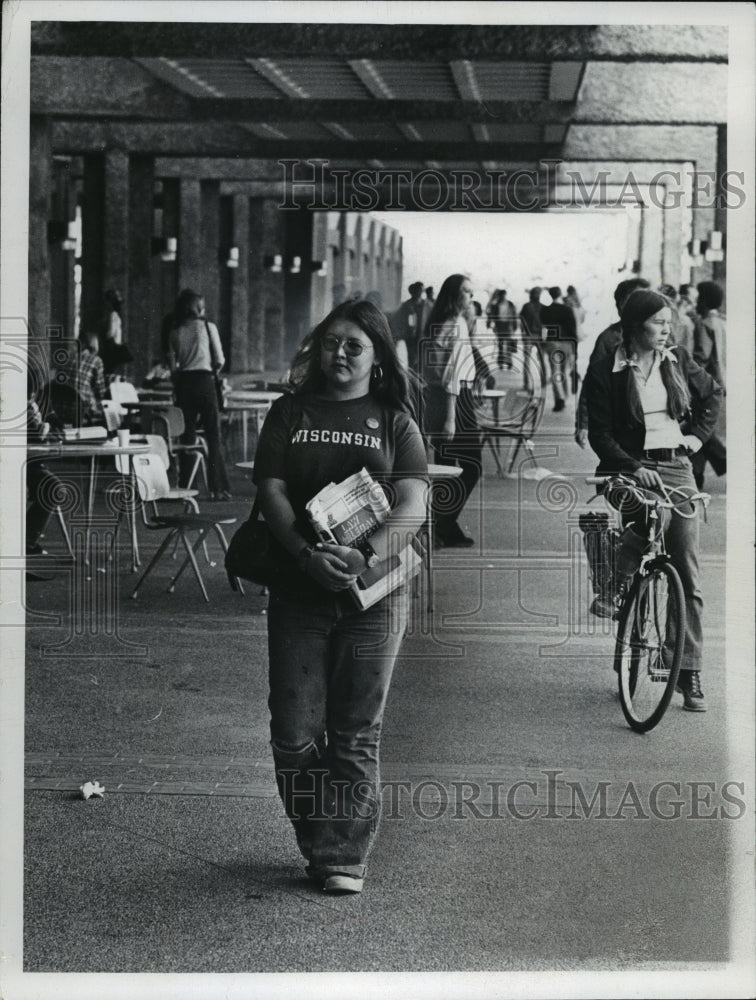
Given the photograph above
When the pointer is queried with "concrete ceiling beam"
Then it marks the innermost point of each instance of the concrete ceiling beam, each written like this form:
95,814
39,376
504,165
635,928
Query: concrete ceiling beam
412,42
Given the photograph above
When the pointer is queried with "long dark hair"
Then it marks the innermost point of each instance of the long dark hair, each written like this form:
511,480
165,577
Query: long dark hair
389,383
640,306
448,304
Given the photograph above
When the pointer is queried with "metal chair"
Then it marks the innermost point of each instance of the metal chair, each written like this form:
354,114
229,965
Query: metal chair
176,495
520,412
168,421
153,485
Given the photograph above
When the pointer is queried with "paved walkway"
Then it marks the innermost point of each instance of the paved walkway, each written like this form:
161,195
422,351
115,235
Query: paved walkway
525,829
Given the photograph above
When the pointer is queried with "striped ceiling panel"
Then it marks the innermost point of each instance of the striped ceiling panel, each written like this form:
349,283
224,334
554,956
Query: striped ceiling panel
514,133
511,81
213,77
415,81
291,130
316,78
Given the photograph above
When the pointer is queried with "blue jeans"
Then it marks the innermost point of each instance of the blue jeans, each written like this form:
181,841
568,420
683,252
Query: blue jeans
681,538
330,666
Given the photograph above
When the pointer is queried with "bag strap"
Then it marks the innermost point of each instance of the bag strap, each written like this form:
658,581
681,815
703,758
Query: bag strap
213,360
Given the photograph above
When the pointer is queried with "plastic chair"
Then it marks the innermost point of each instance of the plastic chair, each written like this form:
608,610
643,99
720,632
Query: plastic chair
168,421
114,414
123,392
153,485
186,496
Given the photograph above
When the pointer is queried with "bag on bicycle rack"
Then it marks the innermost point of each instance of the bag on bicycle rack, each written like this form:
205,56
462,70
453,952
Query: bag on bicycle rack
599,543
631,549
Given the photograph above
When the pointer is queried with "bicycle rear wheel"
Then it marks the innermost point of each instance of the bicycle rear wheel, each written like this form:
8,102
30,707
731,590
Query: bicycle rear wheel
649,646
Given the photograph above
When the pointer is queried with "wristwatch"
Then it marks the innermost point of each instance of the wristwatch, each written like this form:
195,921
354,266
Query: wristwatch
371,556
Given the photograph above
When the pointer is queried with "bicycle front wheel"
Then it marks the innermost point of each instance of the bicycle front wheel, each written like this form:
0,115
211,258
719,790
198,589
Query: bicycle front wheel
648,652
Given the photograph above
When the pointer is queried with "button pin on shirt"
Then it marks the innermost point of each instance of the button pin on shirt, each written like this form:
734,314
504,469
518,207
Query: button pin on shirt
372,423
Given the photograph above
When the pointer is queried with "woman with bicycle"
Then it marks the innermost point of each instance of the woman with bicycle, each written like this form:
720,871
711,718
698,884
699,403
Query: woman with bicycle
649,408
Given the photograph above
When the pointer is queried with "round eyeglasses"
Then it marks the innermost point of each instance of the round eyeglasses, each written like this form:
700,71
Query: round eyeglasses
352,348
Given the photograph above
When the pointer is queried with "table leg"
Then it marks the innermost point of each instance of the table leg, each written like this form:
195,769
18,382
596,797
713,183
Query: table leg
244,433
90,507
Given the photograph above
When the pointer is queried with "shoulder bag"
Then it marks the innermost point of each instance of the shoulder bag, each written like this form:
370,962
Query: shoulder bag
217,377
249,553
254,555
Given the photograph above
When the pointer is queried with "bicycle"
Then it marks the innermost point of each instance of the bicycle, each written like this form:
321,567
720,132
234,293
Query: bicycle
647,602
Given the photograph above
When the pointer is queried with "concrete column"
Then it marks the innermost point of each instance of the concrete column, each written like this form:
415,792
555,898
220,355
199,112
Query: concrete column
142,322
239,333
116,226
190,235
92,254
651,244
319,283
273,355
255,347
210,263
40,184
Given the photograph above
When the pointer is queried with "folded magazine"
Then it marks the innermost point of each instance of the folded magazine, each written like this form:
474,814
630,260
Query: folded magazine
347,513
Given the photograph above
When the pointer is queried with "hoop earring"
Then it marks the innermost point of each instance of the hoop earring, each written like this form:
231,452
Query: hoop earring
377,373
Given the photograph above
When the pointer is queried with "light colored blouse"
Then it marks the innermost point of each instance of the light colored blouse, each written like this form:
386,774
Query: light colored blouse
190,347
451,362
662,430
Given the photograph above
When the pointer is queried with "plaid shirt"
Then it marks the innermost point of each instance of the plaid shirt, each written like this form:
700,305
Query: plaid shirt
87,376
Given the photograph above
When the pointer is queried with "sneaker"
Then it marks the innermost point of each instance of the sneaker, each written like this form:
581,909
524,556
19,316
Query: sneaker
689,686
342,884
559,406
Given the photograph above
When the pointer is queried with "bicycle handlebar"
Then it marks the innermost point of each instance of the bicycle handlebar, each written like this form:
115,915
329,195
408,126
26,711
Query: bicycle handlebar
649,497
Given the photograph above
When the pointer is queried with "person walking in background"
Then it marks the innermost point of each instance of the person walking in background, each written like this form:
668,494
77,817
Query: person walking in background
561,344
449,415
195,353
687,299
330,662
116,356
572,299
502,319
532,336
710,351
408,324
649,409
607,342
430,295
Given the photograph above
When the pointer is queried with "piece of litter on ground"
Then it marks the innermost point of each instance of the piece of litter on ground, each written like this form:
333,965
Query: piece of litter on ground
90,788
536,473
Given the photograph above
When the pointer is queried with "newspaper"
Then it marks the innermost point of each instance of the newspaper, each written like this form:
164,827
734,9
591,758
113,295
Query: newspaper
347,513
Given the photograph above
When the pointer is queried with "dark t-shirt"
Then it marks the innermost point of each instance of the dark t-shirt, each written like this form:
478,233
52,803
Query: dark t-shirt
309,442
559,321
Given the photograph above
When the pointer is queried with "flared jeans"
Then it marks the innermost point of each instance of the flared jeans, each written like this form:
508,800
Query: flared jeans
330,667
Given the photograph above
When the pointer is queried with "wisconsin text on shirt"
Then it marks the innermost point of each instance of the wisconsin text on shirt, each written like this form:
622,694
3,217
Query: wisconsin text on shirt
325,436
